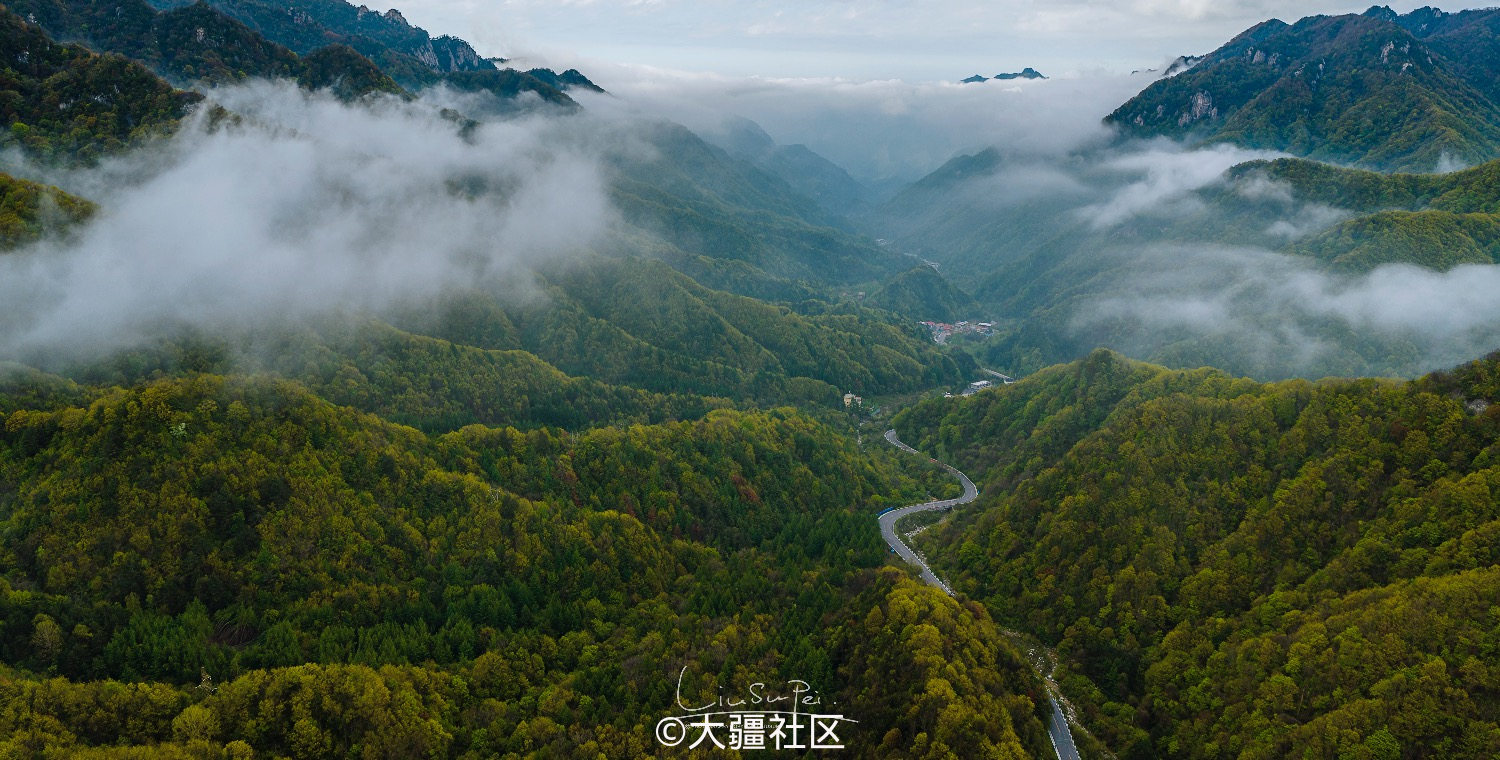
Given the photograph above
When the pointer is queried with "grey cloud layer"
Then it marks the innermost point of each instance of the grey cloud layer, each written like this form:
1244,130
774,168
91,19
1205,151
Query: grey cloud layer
886,129
863,39
1271,309
312,206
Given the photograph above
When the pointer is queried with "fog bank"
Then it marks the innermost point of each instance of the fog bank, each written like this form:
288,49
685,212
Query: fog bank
307,207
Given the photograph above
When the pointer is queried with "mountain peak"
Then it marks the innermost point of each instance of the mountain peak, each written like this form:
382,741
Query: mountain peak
1026,73
1180,64
1348,82
570,79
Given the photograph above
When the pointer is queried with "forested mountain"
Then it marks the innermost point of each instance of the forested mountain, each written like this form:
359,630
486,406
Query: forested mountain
923,293
386,37
567,80
1108,247
355,586
193,43
344,72
609,343
29,210
700,200
810,174
639,343
507,481
689,199
407,53
229,541
1434,220
63,103
717,220
1379,90
950,216
639,322
1235,569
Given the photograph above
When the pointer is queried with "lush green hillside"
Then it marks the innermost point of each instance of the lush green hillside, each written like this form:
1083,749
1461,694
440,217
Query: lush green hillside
640,323
1368,89
406,53
924,294
189,44
1437,221
28,210
437,385
1474,190
696,198
62,102
1050,263
1231,569
353,587
1434,239
230,42
610,342
345,73
811,175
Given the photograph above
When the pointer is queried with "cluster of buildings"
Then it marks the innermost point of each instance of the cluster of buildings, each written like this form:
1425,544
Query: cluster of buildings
979,385
942,330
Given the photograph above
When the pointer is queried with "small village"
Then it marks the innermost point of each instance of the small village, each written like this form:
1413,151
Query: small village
941,331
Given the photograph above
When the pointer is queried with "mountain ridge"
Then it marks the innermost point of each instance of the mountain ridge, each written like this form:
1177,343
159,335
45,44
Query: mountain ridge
230,41
1390,93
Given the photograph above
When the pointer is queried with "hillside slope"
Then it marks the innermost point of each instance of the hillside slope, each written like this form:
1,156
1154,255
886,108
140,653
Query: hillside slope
339,584
1377,89
1437,221
198,43
64,103
1231,569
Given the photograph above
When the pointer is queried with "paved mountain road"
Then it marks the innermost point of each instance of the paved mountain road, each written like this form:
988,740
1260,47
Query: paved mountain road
1062,738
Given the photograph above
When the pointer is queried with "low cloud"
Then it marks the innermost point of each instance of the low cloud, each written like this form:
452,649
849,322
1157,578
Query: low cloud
1163,179
1279,314
310,206
882,131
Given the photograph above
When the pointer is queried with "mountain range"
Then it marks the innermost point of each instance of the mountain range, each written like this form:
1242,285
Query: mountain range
1353,96
520,517
1026,73
1379,90
318,42
1238,569
810,174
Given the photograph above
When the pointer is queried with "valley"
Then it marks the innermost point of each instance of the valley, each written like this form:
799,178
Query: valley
363,394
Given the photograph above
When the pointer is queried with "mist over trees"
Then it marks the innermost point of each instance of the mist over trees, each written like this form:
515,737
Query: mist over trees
361,396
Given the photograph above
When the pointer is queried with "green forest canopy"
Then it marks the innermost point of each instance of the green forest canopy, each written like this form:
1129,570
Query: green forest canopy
1234,569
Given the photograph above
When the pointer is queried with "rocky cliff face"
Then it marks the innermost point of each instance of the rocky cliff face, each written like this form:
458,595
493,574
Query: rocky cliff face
1340,88
453,54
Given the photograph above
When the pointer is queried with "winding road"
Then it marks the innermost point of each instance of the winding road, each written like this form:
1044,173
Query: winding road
1062,737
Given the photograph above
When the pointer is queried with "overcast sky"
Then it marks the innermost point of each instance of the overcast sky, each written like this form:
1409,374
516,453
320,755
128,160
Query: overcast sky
912,40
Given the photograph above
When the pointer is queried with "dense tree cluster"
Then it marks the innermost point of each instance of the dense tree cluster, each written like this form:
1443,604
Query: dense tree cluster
1376,89
232,565
62,102
320,44
619,311
28,210
924,294
1437,221
694,197
1231,569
